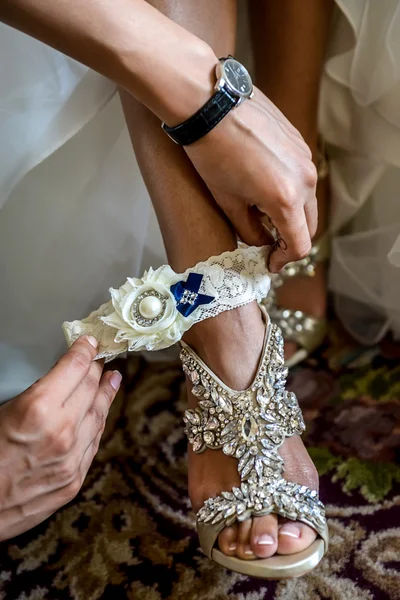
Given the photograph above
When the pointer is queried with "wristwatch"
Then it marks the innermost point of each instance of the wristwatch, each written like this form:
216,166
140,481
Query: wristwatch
233,86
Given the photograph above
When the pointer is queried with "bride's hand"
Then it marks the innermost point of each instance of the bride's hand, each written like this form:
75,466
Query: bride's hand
255,159
49,436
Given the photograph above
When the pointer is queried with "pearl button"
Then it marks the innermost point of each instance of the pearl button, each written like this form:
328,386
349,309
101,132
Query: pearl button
150,307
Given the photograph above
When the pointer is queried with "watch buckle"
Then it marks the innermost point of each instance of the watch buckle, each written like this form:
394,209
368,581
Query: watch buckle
163,127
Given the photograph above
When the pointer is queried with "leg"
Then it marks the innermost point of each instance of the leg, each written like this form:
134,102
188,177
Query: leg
289,40
194,229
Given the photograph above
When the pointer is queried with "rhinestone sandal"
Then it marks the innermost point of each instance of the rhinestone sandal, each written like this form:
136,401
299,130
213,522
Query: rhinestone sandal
251,425
153,313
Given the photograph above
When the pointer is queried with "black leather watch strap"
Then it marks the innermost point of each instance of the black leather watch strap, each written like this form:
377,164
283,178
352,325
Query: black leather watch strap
204,119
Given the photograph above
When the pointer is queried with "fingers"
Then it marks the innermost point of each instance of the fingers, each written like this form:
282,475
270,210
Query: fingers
293,230
248,224
81,400
71,369
88,457
91,402
311,212
295,216
60,474
311,202
108,388
93,424
294,211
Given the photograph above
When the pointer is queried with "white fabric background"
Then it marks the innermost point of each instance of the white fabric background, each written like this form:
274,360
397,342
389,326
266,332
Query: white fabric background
75,216
360,117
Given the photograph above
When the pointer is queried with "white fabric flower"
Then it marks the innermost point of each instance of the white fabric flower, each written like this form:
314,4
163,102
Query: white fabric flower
156,331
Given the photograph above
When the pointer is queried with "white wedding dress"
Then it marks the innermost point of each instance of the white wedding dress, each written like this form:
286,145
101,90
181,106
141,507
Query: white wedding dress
75,217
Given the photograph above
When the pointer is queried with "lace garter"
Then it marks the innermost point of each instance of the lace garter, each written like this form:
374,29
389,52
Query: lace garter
153,313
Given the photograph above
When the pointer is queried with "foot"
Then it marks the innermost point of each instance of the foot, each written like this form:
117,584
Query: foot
231,345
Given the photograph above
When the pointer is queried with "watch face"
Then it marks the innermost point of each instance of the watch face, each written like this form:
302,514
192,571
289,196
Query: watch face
237,77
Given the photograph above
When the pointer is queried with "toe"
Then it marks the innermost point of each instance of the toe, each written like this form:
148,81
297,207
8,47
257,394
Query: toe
264,536
244,550
294,536
227,540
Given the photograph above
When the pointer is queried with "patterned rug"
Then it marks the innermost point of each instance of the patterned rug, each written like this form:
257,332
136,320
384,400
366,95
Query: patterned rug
130,533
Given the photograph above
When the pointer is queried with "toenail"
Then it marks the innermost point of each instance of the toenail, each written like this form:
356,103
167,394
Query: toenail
249,551
232,548
265,540
290,529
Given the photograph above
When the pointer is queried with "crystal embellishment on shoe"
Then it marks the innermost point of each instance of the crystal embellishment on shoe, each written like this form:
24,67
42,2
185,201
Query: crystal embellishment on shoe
153,312
250,426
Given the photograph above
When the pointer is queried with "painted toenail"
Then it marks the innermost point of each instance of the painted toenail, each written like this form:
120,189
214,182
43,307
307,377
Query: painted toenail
249,551
290,529
265,540
232,548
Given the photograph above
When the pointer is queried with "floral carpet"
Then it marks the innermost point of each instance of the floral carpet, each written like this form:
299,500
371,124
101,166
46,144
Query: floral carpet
130,533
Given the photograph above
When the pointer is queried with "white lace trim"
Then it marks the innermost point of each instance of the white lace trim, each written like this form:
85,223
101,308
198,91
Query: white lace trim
232,279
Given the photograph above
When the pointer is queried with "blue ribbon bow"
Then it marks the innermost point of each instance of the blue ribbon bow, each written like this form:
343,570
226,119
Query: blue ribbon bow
186,294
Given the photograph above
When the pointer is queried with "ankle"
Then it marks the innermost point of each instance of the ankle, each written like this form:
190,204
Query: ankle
231,344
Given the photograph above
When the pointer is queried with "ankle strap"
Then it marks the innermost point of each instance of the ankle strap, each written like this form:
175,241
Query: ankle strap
153,312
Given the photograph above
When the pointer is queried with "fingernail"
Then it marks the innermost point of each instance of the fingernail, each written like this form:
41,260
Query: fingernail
249,551
115,380
265,540
290,529
92,341
232,548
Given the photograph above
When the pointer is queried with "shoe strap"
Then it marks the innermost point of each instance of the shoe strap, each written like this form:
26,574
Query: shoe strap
304,330
153,312
250,426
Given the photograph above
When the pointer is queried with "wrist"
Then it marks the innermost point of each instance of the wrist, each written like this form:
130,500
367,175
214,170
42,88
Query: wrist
173,76
233,86
194,77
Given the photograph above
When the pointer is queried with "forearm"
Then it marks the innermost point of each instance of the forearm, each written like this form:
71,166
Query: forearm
165,67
